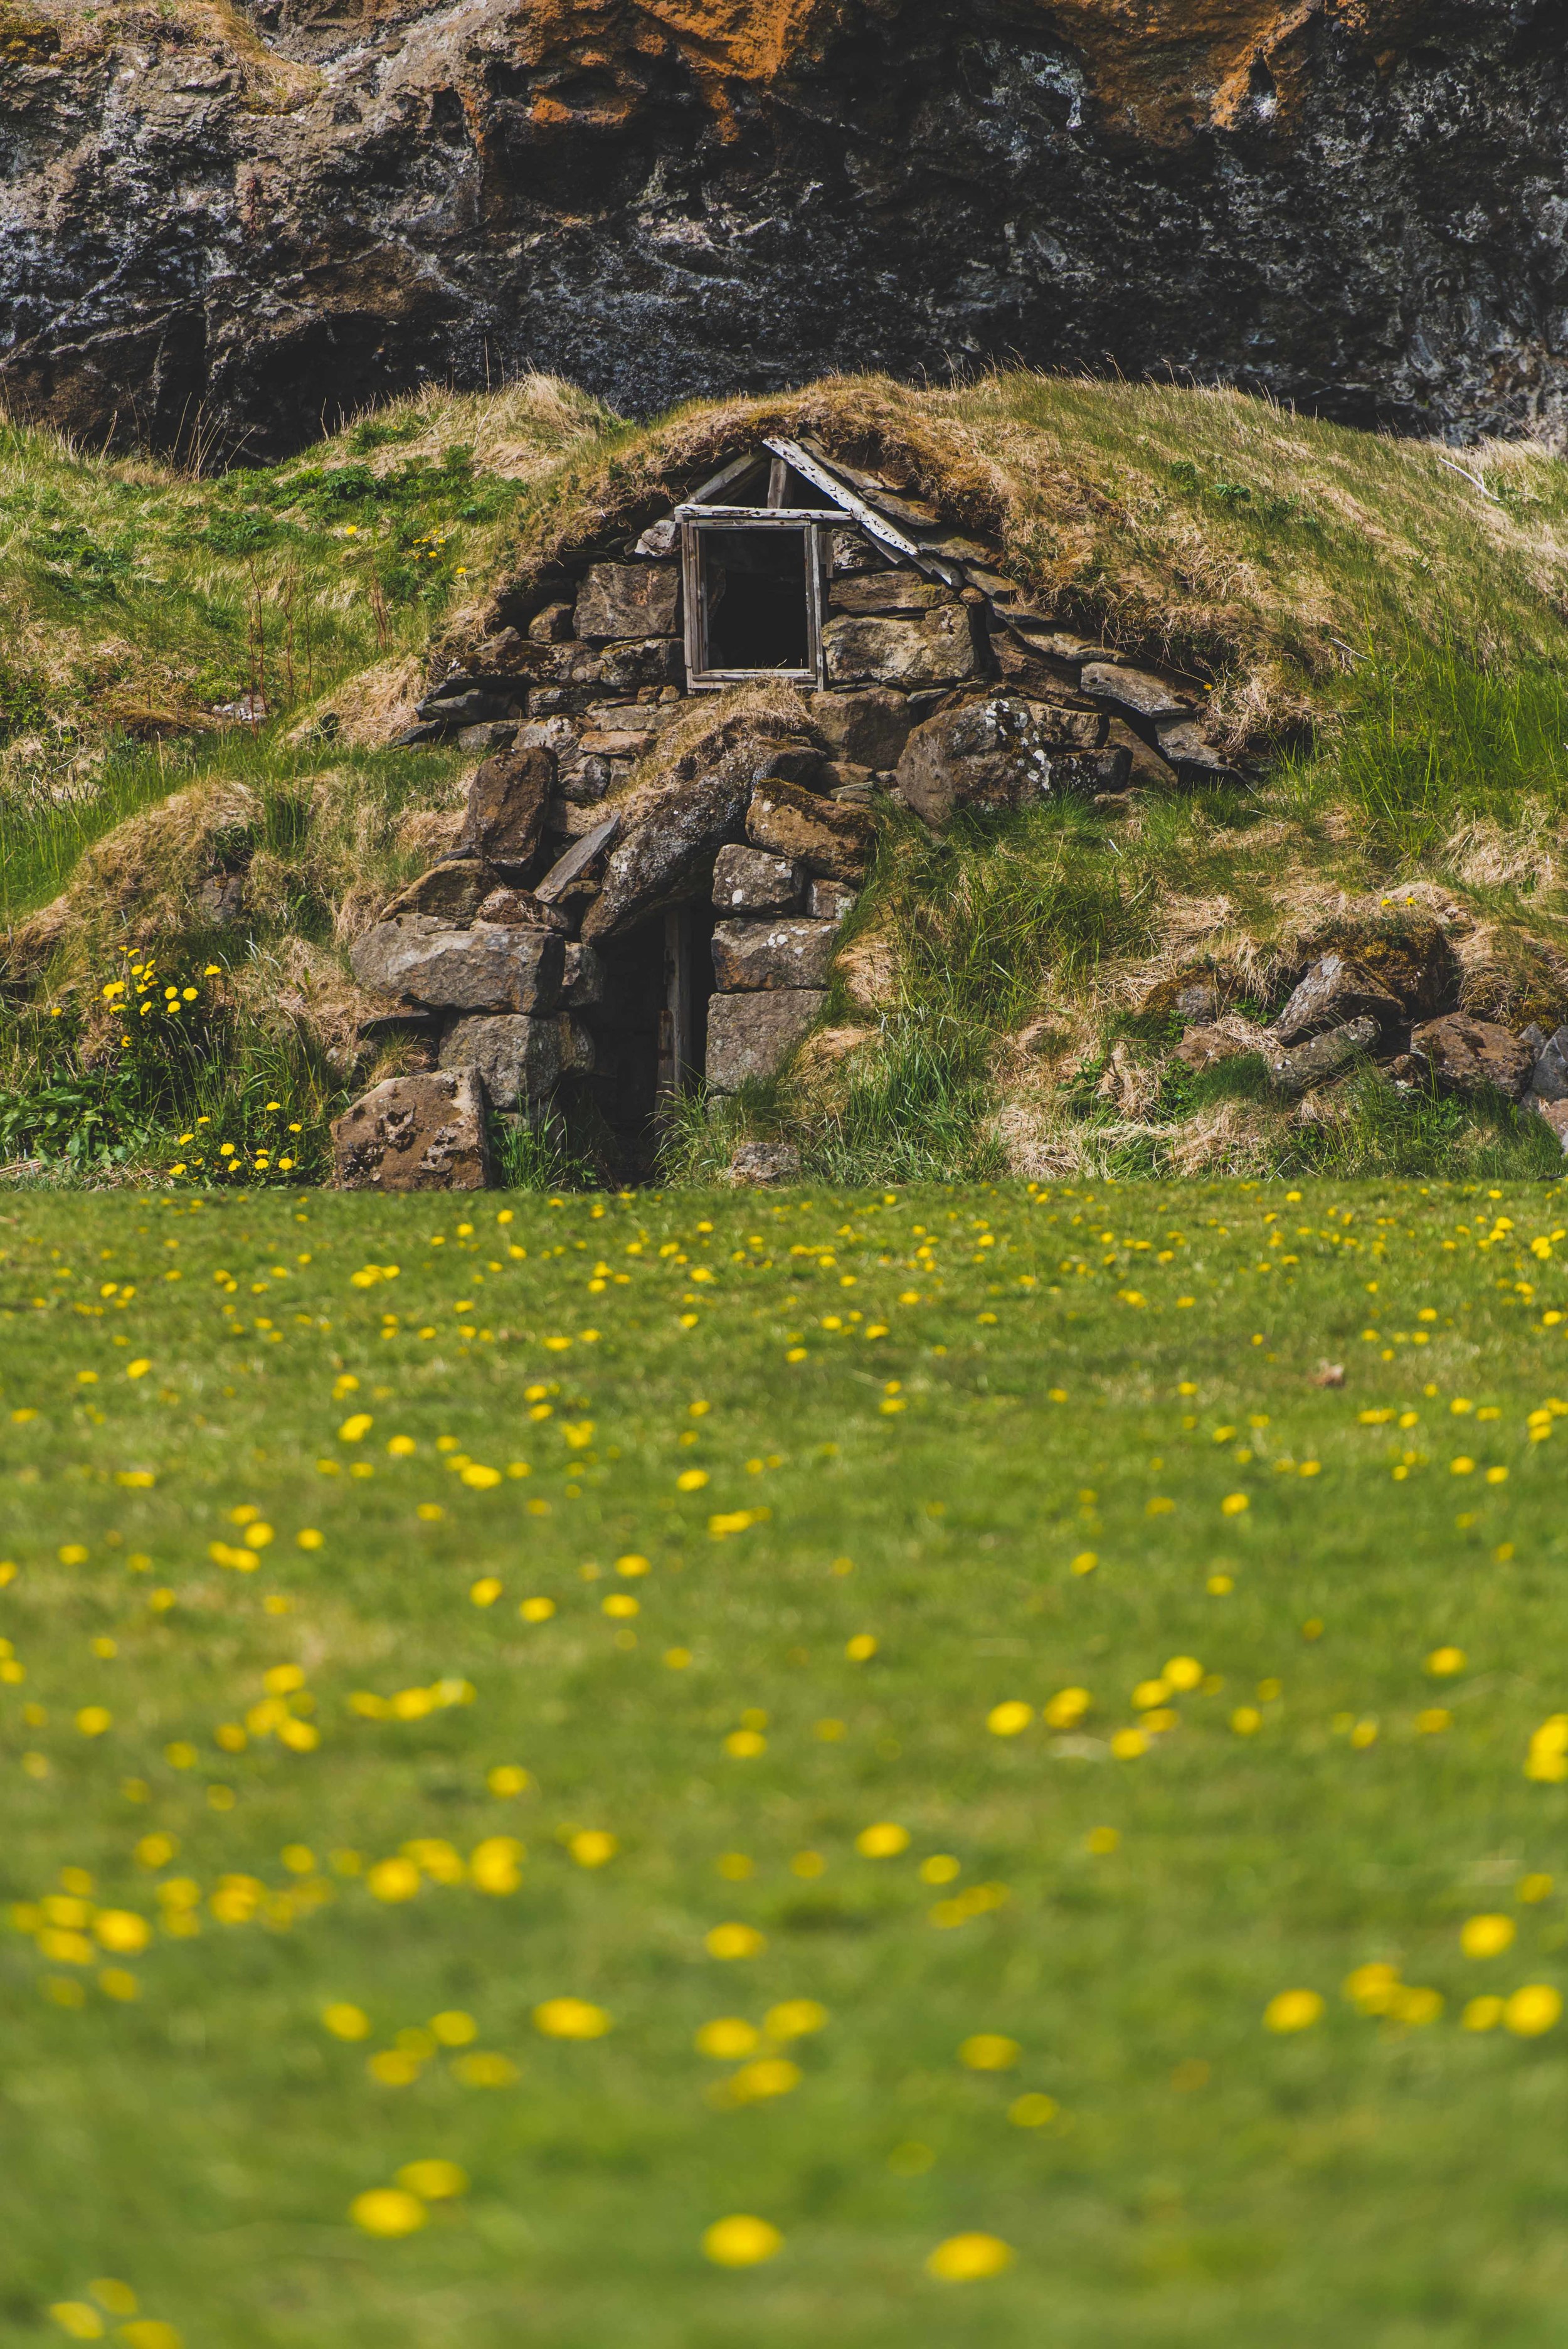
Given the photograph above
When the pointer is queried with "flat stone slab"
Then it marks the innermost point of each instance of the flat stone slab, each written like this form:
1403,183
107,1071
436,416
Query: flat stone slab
831,838
925,649
785,952
628,600
415,1133
752,1036
489,967
1135,689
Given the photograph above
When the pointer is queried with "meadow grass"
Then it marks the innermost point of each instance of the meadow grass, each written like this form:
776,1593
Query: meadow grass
281,1473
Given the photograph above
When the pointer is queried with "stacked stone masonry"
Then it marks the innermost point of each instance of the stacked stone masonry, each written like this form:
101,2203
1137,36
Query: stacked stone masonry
531,954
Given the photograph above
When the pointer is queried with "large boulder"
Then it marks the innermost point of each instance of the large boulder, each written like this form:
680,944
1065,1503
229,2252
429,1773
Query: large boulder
749,955
490,966
934,647
629,600
415,1133
1469,1056
999,752
752,1036
1407,950
519,1059
1334,991
504,821
672,833
833,838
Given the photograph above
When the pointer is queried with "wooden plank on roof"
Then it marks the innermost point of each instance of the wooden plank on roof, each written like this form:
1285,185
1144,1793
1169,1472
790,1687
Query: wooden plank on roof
736,470
846,499
764,517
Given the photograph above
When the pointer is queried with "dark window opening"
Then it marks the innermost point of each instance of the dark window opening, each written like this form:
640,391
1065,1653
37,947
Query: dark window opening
754,599
754,596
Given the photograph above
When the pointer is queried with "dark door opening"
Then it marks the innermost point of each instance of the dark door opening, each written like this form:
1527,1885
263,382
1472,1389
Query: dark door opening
649,1029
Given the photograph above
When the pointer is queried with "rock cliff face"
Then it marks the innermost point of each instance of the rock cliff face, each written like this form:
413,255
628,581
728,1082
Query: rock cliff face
234,221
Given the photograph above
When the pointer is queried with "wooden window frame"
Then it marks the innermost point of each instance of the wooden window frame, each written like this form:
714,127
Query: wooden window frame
813,523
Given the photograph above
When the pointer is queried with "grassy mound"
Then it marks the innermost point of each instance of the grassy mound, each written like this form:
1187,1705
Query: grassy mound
945,1727
200,681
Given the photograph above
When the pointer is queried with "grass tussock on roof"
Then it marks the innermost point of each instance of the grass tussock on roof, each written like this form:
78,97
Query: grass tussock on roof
1204,528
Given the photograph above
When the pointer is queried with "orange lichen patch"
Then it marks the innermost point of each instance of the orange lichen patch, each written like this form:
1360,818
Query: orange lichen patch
1163,71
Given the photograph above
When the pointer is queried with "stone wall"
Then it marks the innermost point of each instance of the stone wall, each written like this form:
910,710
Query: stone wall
533,957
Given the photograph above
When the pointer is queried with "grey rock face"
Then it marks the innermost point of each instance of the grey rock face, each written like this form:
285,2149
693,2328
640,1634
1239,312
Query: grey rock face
487,967
1467,1056
583,981
786,953
869,728
256,225
759,1163
995,753
578,870
415,1133
449,892
1549,1079
1147,767
1183,742
1555,1113
1335,990
1313,1064
522,909
925,648
670,843
829,901
833,839
634,600
751,1036
1135,689
519,1059
899,589
504,820
750,881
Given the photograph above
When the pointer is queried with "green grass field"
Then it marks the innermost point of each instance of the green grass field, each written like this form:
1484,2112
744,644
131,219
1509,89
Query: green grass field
454,1655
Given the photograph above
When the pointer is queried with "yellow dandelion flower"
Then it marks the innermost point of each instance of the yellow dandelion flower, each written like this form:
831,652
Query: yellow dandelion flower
388,2211
741,2241
967,2259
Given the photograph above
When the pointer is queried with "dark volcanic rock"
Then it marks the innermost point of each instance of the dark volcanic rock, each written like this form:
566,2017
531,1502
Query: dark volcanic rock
1470,1056
665,852
1333,991
242,218
505,816
1001,751
415,1133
